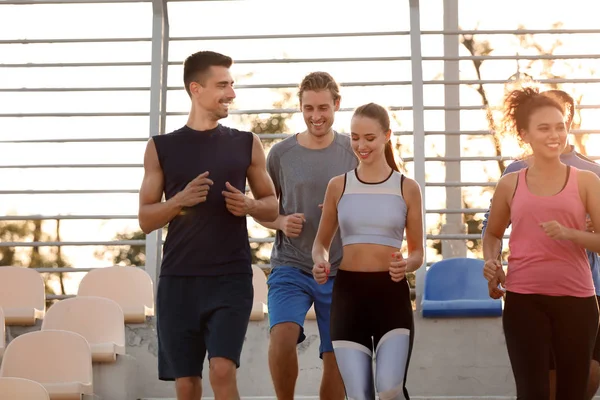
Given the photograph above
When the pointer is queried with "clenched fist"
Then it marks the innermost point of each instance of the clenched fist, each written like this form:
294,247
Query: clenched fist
490,269
556,231
195,192
291,225
321,272
397,267
237,202
494,290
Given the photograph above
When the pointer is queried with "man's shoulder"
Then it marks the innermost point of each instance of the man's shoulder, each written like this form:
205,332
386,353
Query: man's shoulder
283,146
515,166
171,138
177,132
585,164
343,136
234,131
343,139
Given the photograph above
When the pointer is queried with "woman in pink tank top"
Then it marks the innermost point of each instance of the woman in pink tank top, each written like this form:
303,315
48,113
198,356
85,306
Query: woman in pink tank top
550,297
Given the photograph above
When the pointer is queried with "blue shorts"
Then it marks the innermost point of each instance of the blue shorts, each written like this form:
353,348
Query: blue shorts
291,293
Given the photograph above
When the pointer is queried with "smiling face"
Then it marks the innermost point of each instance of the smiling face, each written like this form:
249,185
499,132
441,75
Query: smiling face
546,132
368,139
214,93
318,110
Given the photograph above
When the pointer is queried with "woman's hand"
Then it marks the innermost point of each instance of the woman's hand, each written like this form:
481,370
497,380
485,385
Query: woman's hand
321,272
397,267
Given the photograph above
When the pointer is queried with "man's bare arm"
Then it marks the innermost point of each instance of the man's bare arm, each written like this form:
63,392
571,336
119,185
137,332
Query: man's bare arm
265,206
276,225
153,213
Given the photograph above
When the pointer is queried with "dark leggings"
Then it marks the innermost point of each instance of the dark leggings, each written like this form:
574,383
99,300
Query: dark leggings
372,318
534,324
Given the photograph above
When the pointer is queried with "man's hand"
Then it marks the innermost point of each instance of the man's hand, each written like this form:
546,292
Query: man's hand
195,192
237,202
397,267
589,226
321,272
291,225
556,231
494,291
493,272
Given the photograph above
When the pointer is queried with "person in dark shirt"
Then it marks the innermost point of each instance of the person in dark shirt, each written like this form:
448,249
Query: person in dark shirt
205,292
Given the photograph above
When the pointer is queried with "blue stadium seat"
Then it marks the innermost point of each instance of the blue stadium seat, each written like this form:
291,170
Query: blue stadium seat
455,287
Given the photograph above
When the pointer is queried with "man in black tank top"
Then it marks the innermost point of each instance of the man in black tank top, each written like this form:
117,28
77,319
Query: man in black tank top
205,292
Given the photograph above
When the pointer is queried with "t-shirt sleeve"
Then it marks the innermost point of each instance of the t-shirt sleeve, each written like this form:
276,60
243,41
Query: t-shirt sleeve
515,166
273,166
586,164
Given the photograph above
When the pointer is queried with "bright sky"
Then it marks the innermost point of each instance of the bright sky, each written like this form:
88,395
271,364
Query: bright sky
212,18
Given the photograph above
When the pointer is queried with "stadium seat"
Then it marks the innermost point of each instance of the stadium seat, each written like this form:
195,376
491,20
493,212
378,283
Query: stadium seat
22,389
259,305
99,320
130,287
455,287
22,295
60,360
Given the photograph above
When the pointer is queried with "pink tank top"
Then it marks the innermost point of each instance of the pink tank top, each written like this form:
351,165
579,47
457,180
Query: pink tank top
538,264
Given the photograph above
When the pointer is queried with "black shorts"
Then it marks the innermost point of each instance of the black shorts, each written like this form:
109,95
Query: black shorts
595,353
367,305
200,314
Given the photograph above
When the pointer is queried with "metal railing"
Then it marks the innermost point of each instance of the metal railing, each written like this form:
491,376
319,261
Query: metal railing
158,114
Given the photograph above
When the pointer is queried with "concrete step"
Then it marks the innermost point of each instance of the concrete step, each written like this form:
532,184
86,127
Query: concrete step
243,398
412,397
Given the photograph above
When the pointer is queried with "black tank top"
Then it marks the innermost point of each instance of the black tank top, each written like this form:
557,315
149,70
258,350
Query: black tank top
205,239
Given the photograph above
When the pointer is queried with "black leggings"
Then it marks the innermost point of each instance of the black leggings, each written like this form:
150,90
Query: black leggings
372,317
534,324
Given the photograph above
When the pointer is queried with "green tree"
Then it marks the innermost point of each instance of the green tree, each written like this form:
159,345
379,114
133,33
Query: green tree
130,255
547,68
474,225
12,232
483,48
276,123
32,257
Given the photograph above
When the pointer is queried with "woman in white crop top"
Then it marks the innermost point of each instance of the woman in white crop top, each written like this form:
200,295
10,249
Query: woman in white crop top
371,310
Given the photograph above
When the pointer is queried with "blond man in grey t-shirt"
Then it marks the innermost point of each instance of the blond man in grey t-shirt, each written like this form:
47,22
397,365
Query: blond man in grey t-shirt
301,167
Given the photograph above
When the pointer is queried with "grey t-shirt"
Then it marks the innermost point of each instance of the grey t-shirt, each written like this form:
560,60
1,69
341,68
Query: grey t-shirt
301,176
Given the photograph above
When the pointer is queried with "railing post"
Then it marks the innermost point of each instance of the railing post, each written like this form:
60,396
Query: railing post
418,126
454,222
158,113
